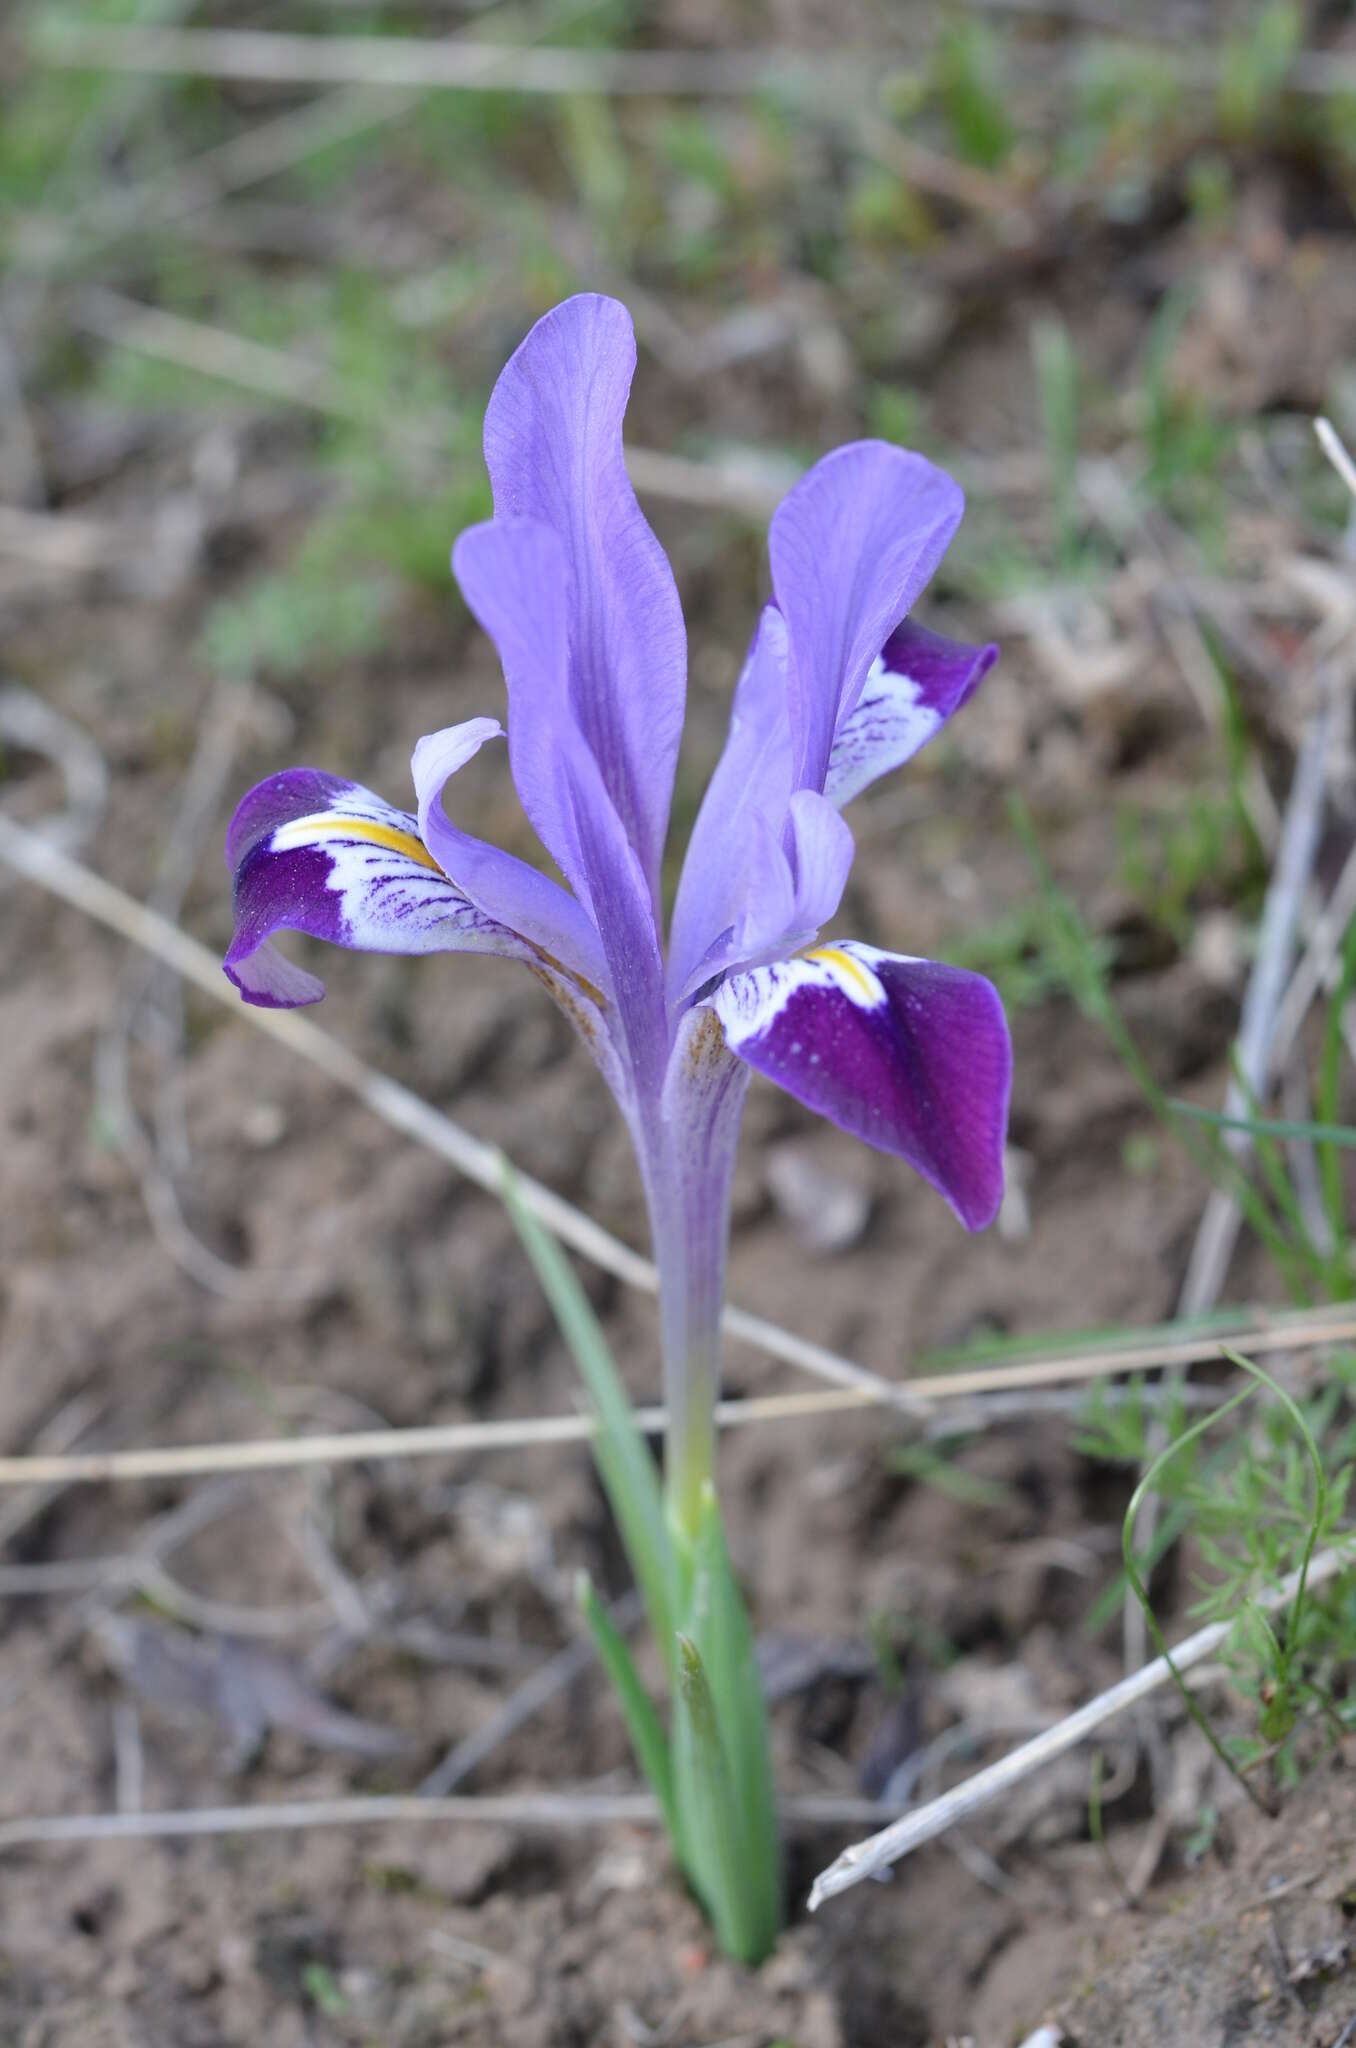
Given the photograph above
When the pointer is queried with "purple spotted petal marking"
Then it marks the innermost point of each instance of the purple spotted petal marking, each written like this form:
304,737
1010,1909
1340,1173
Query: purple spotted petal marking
912,1056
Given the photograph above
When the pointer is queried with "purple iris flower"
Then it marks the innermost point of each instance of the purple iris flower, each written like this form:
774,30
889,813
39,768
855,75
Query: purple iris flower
839,687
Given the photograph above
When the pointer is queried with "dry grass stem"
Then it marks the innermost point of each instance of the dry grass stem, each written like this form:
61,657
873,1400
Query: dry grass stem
730,483
38,860
1333,446
1306,1330
1263,997
543,1812
451,64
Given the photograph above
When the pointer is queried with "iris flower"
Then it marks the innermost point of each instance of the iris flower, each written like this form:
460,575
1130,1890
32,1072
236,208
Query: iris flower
840,686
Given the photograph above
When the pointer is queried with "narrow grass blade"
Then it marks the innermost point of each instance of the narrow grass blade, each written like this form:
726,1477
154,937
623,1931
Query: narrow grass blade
628,1471
1268,1127
1075,961
1320,1508
1141,1593
642,1720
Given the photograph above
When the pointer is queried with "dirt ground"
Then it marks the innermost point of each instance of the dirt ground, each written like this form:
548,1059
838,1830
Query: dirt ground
312,1270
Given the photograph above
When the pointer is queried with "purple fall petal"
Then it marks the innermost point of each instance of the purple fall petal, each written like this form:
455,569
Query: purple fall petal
912,1056
553,446
916,683
499,884
852,546
316,854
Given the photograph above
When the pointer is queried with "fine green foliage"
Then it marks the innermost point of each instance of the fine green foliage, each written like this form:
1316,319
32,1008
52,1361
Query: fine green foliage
1337,1135
1188,851
1257,1504
1269,1206
968,81
1255,65
1057,388
1186,436
1253,1502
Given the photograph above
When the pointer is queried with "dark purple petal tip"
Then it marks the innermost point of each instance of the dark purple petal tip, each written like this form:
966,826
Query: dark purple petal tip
912,1056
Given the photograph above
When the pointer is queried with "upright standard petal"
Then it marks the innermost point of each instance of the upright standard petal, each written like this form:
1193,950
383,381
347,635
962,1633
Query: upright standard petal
498,883
553,445
512,573
852,546
912,1056
313,853
513,576
766,866
741,817
915,684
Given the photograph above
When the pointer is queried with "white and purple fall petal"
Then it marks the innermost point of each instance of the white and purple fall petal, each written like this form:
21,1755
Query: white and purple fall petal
917,681
910,1055
313,853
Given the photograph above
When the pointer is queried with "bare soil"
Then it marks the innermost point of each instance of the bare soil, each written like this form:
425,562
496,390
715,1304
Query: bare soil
365,1284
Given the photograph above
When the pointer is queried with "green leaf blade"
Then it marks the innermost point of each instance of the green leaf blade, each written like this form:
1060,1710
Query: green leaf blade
719,1624
643,1725
625,1465
712,1828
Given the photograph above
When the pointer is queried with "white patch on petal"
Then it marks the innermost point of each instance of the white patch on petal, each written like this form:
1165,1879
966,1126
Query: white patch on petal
393,895
851,974
356,816
749,1003
885,728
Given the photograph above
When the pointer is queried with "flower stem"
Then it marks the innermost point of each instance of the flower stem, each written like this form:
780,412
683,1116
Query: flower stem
690,1228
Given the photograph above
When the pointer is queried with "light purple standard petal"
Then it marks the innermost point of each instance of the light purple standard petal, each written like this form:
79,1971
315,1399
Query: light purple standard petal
512,574
916,683
553,445
734,852
504,887
910,1055
852,546
821,855
313,853
765,868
